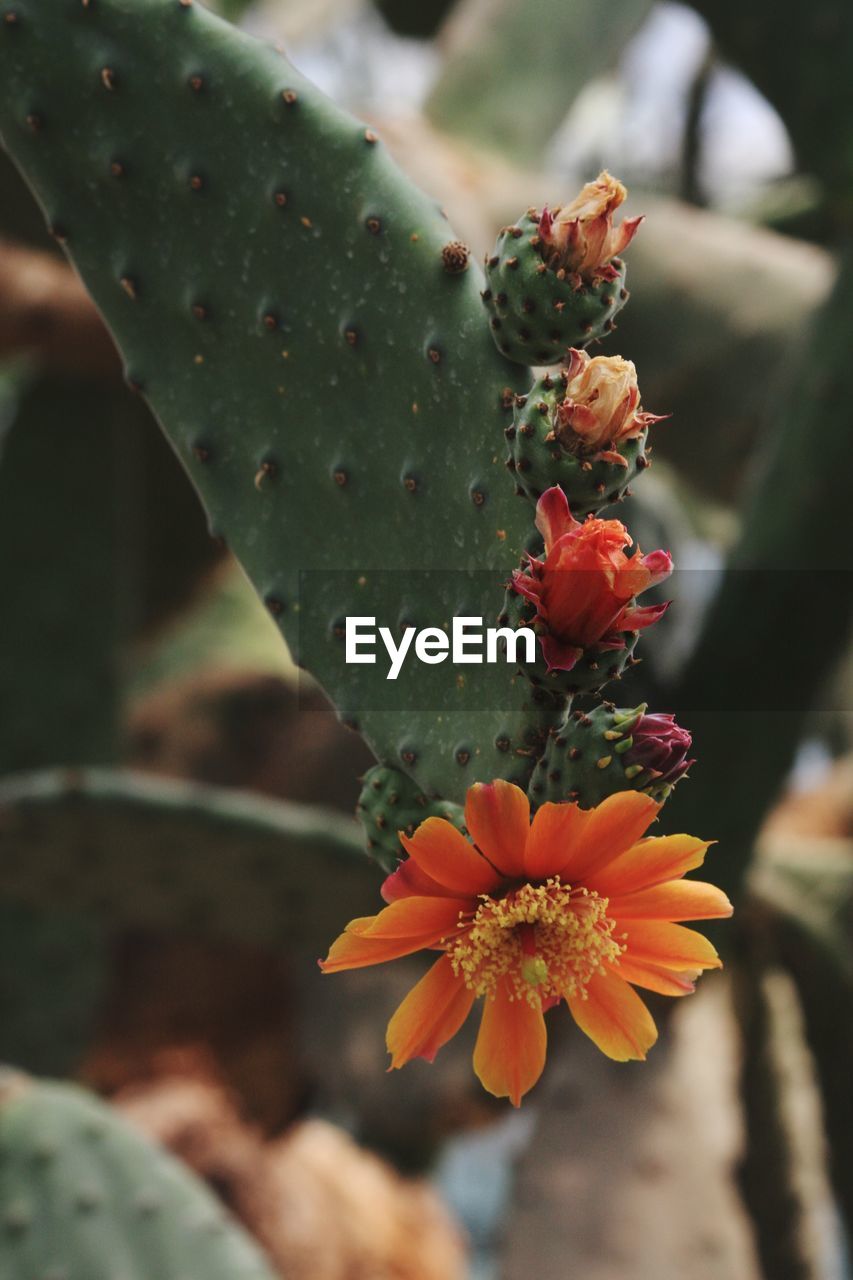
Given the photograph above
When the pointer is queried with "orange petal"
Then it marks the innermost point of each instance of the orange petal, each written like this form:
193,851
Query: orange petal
557,830
430,1015
614,1017
653,978
510,1051
405,926
412,917
672,900
349,951
408,881
648,863
497,815
669,946
446,856
612,827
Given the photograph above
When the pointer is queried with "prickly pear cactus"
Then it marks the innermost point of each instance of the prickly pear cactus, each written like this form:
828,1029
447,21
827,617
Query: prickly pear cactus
303,324
536,312
311,336
389,803
83,1196
541,459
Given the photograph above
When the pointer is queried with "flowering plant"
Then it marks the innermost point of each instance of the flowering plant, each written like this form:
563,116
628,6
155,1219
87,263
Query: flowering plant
586,587
577,906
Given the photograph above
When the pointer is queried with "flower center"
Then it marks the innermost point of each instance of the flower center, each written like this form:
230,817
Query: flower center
547,940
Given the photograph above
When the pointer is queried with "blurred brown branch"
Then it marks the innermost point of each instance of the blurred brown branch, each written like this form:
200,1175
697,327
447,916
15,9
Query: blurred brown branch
45,311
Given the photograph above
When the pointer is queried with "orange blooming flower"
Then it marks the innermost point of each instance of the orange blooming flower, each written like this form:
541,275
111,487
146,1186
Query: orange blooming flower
584,589
581,239
601,406
575,906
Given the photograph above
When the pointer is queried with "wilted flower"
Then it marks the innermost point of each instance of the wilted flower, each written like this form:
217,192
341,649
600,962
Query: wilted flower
575,907
580,238
585,588
601,406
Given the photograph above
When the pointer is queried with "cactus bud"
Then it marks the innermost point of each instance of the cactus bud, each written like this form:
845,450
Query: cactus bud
585,589
601,406
660,747
584,430
555,280
390,802
611,749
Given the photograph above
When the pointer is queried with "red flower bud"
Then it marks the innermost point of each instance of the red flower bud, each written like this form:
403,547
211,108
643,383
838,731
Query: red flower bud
586,587
661,747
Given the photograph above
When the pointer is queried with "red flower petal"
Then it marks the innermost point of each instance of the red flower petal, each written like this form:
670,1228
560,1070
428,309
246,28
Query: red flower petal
558,655
659,565
408,881
553,516
635,619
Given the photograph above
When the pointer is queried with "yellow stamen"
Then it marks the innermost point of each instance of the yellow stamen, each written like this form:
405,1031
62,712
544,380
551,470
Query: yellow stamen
547,940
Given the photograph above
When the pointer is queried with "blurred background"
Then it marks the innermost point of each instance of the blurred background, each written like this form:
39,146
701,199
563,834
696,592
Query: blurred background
150,716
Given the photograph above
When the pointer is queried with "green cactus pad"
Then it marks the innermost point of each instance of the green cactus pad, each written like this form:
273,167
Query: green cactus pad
391,802
535,315
585,759
283,300
139,852
595,669
540,462
85,1197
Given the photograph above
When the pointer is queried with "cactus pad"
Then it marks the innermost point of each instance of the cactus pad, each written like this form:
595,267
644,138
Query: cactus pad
84,1197
391,802
535,314
283,300
197,858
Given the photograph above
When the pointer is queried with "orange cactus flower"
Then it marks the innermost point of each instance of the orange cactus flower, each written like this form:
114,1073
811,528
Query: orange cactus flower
601,406
575,906
580,238
584,589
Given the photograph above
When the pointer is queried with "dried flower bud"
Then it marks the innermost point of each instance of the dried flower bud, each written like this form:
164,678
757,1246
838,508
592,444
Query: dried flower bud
580,238
601,406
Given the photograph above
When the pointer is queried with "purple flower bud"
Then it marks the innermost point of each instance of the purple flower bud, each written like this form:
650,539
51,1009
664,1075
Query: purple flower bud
660,747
